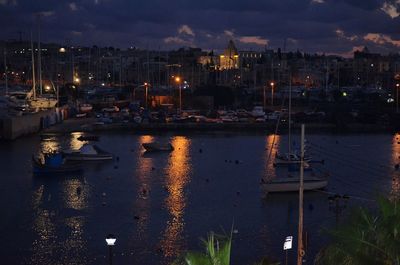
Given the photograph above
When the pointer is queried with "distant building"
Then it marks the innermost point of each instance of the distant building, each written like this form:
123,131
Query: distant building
230,58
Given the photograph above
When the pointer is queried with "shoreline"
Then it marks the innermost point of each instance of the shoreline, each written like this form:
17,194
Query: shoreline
88,125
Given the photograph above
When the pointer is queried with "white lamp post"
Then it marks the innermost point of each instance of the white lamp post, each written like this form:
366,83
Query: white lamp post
286,246
110,239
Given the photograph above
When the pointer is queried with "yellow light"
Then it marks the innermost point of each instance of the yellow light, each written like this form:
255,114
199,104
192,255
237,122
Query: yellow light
222,56
236,56
272,84
77,80
344,94
62,50
177,79
47,88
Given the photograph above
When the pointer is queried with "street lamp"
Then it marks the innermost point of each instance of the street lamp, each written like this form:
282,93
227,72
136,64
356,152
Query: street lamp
272,94
110,239
178,81
397,97
146,85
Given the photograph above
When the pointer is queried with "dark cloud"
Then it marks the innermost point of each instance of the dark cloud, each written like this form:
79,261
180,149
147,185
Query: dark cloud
310,25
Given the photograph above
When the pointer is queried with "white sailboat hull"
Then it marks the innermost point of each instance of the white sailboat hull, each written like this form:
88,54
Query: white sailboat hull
291,185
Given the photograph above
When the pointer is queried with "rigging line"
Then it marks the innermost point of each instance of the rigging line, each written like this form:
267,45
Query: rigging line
348,183
360,158
333,153
353,163
350,196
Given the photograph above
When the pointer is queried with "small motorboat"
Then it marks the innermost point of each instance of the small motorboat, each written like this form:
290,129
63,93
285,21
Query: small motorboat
85,108
292,183
88,152
88,138
81,115
155,147
53,164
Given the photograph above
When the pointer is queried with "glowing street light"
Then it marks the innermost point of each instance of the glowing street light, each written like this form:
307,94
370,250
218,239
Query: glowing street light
178,81
47,88
110,240
77,80
62,50
272,93
146,85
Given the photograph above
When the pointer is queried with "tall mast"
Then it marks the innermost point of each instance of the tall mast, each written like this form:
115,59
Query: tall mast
300,248
5,69
39,59
290,114
33,69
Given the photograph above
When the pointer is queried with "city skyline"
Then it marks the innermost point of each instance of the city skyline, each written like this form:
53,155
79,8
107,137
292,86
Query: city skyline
314,26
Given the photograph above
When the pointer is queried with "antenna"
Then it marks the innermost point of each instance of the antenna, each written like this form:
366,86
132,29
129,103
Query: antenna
284,45
20,35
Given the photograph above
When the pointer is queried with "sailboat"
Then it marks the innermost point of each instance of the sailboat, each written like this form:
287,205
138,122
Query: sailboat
290,157
311,179
41,101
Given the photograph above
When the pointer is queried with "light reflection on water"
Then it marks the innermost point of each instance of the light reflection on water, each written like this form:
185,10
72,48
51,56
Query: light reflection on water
143,199
75,195
75,144
62,227
43,226
272,144
50,146
178,169
395,192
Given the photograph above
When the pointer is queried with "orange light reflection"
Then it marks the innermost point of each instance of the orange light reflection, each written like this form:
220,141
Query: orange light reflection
395,191
177,170
271,148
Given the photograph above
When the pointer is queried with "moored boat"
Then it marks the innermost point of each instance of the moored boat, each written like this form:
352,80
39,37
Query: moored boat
154,147
88,138
53,164
291,183
88,152
85,108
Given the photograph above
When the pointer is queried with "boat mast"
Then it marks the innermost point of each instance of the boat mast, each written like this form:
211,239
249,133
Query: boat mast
5,69
33,70
39,59
300,248
290,115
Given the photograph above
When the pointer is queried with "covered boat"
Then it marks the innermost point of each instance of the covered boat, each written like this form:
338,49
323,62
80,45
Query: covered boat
88,152
53,164
154,147
88,138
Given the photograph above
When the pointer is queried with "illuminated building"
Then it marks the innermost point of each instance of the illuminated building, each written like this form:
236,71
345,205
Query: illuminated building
230,58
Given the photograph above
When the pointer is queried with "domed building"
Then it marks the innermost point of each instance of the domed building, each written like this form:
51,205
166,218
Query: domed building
230,58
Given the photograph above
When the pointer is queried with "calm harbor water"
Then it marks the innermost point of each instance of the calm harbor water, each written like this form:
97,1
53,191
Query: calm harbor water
209,182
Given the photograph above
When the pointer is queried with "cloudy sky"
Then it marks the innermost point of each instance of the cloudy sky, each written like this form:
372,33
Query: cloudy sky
330,26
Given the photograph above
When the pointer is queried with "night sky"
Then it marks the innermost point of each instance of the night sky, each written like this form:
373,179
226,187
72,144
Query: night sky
330,26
